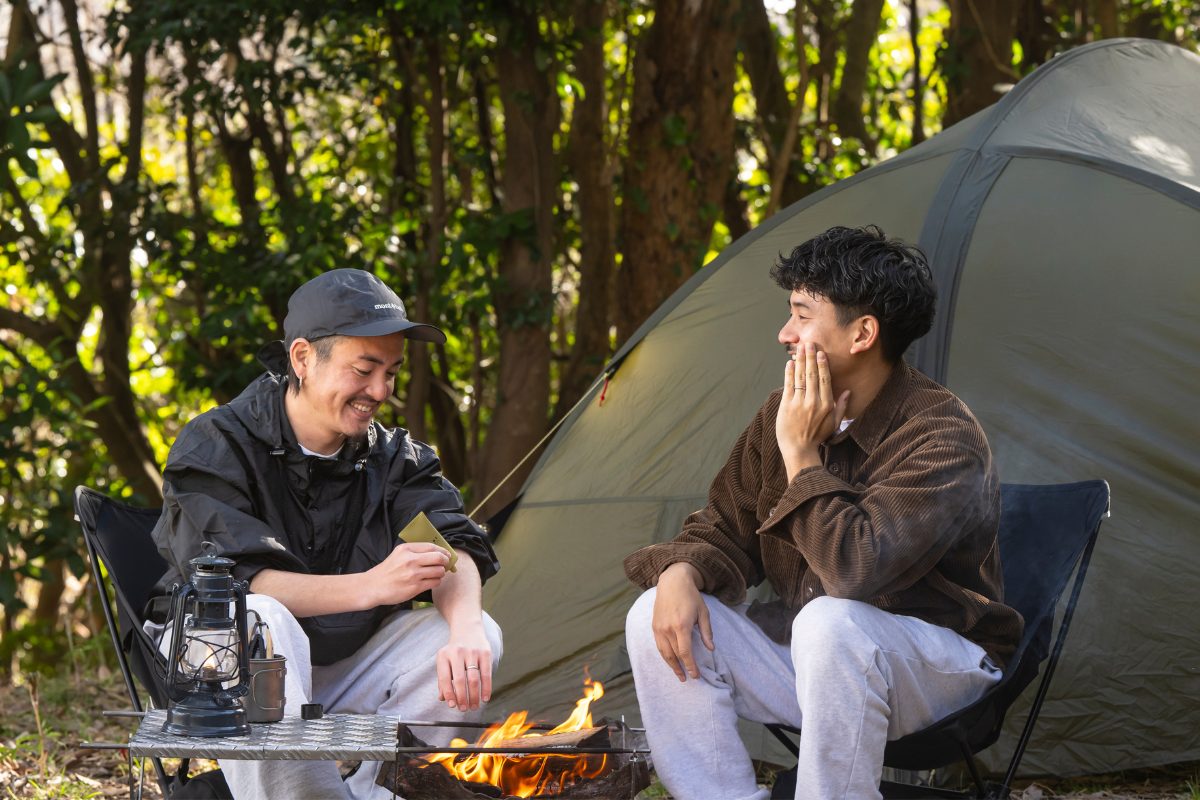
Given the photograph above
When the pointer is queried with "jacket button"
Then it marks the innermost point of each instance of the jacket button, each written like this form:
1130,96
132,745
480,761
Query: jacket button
835,469
771,513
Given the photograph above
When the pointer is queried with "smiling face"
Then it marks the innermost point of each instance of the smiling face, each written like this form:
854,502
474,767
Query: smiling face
814,318
340,394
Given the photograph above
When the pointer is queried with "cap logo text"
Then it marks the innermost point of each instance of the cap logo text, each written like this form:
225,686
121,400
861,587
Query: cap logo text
388,305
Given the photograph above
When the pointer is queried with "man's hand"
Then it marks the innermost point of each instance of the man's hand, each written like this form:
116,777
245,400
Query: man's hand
464,668
808,414
411,568
678,609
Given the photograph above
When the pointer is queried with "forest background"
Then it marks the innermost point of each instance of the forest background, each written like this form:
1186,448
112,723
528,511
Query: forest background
534,177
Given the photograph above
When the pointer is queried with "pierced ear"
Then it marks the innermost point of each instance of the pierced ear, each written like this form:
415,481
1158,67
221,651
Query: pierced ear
299,357
866,334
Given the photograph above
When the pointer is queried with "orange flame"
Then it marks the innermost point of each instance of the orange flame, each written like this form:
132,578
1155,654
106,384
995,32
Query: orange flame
533,775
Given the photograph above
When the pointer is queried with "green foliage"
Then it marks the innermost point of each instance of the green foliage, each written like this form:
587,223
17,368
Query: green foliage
24,101
282,139
45,451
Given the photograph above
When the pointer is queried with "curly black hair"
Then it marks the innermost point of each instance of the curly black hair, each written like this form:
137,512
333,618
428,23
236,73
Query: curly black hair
862,271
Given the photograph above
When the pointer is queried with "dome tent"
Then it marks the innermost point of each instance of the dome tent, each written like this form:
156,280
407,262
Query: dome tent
1063,226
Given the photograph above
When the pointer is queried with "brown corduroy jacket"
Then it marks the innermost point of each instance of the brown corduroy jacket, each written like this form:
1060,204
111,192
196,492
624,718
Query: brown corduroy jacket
903,515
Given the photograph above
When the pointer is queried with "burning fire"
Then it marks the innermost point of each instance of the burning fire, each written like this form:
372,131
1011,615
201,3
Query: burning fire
532,775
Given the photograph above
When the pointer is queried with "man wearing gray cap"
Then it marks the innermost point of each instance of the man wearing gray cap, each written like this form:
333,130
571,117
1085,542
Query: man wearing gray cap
297,483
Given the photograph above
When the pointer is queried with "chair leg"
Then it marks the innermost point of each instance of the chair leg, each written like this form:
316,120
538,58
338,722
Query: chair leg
973,768
164,781
1044,686
784,739
784,787
111,623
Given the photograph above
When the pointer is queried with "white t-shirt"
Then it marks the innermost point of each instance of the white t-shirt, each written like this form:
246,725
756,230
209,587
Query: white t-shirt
331,456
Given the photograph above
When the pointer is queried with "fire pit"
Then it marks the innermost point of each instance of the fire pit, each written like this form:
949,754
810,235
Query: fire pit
576,760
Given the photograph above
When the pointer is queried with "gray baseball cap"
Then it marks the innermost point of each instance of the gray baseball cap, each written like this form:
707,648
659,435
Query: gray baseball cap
349,302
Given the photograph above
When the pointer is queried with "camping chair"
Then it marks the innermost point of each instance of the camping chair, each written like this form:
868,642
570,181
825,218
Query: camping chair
1045,532
119,536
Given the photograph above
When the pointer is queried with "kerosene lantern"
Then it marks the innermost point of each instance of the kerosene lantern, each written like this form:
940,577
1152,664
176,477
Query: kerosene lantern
207,667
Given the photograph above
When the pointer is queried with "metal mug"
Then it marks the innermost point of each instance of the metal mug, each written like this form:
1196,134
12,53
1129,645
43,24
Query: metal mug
266,699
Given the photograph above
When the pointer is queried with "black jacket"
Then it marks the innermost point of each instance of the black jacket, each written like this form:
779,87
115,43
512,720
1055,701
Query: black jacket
236,477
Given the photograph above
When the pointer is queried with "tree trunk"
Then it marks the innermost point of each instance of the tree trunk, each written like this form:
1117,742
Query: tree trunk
1105,13
828,47
52,585
127,444
978,55
735,215
1150,21
241,177
680,148
587,156
487,146
7,621
1036,35
420,363
861,32
918,85
451,434
760,59
116,303
523,295
759,49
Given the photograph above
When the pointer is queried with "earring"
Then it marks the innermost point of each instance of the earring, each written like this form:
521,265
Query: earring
299,383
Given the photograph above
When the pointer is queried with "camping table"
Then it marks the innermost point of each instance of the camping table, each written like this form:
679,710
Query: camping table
333,737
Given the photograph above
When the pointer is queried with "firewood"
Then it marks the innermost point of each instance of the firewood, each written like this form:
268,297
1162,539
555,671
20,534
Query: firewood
584,737
418,778
625,776
627,779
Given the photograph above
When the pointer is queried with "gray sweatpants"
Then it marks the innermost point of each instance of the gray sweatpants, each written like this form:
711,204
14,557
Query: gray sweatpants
855,677
394,673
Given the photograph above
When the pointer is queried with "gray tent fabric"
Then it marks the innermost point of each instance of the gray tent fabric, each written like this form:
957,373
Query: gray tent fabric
1063,225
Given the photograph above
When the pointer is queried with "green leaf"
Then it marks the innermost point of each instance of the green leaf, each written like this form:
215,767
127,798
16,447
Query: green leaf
40,90
43,114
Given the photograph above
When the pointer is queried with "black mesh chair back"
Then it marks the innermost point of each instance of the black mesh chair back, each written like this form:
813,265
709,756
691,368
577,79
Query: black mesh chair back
1047,533
117,535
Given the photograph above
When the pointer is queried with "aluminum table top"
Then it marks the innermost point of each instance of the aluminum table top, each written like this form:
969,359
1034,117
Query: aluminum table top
334,737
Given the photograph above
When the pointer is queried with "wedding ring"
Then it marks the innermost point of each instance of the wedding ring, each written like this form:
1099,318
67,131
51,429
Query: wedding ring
472,666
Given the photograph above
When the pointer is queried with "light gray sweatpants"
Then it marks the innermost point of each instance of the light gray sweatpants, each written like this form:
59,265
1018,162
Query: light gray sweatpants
394,673
853,678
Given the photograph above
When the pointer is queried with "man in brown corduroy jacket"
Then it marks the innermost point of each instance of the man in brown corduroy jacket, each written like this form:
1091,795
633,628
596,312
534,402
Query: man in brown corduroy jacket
865,495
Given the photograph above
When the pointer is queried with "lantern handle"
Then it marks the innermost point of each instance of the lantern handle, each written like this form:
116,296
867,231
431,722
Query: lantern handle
178,607
227,696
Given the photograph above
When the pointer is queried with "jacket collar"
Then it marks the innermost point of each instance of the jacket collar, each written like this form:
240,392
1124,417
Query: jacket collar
874,423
